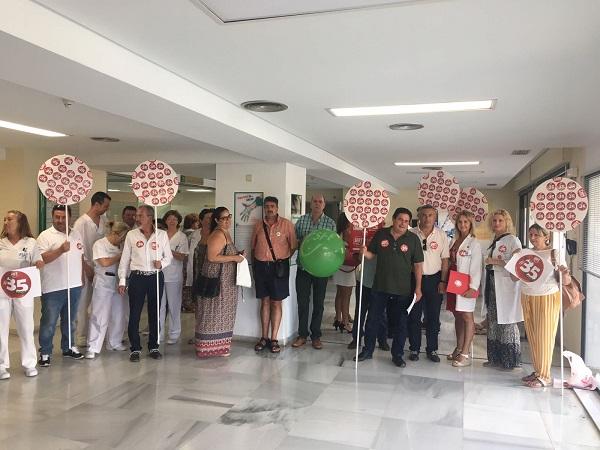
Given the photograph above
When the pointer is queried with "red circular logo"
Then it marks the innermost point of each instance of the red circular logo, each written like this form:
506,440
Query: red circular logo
502,249
139,244
529,268
15,284
434,245
404,248
462,253
385,243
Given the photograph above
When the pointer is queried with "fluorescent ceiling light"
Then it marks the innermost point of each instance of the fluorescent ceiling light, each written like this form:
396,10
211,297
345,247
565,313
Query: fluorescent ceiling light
414,109
199,190
32,130
114,190
436,163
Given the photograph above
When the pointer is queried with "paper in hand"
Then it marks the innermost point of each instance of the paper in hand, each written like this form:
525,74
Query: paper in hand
412,304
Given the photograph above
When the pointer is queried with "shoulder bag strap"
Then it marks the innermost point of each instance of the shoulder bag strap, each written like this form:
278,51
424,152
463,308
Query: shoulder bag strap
269,241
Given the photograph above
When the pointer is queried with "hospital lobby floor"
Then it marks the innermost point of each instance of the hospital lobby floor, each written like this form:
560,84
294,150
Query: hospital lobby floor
299,399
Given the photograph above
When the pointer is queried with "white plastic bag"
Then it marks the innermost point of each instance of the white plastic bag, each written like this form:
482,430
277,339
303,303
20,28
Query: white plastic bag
243,277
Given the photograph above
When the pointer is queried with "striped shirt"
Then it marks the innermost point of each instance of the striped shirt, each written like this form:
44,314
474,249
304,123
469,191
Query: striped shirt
305,226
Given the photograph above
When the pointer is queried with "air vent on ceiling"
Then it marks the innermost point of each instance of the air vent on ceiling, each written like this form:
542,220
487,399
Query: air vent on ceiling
432,168
520,152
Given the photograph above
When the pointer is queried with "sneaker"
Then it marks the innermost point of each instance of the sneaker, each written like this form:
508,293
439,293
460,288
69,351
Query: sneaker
155,354
172,341
362,356
44,361
31,372
134,356
118,348
73,352
398,362
414,356
90,355
4,375
433,356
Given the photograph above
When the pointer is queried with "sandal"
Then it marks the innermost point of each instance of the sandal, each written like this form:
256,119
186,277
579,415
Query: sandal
275,348
530,377
261,344
464,363
538,382
452,356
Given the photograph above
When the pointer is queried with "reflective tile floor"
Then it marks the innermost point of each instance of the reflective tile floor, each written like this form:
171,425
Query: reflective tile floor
300,399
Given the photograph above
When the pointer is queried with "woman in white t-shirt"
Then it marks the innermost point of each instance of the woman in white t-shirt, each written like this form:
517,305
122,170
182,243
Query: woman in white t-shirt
173,273
109,308
18,249
541,310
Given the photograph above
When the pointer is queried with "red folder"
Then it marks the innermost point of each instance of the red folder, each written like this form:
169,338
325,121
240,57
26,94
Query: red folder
458,283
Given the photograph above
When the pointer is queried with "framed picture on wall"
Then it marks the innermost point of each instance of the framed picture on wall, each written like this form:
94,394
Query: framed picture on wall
247,211
296,203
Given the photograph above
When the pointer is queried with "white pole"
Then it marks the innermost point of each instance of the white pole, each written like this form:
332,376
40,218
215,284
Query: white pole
560,284
362,273
68,277
157,277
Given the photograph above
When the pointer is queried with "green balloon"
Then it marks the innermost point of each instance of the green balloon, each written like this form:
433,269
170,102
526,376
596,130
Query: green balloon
322,253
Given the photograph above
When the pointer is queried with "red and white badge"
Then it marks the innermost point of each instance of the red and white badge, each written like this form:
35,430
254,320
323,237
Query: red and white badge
559,194
154,170
358,204
385,243
79,246
438,188
463,253
58,175
404,248
139,244
154,245
502,248
433,245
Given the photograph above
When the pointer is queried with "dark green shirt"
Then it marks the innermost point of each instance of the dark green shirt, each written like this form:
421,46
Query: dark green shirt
395,260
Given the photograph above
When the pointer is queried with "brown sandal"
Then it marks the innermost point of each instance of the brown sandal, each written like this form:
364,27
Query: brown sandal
452,356
261,344
538,382
532,376
275,348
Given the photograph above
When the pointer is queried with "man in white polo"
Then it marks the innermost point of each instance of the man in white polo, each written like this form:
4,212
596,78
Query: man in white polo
435,277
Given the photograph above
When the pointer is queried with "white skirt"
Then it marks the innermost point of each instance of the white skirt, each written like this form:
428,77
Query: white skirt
465,304
345,276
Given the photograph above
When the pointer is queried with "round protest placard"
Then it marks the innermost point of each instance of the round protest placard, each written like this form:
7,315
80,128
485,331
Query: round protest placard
154,183
473,200
15,284
65,179
439,189
559,204
365,205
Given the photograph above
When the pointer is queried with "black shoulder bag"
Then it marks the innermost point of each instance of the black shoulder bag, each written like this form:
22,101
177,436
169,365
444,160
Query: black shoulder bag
282,266
208,287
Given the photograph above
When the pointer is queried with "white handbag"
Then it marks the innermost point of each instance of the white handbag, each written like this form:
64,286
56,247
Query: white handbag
243,277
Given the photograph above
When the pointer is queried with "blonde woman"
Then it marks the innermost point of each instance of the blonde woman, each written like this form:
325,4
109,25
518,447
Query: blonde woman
541,308
109,308
465,257
502,295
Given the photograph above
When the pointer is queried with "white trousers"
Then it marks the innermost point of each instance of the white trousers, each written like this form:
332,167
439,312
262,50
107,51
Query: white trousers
171,300
22,310
108,315
83,310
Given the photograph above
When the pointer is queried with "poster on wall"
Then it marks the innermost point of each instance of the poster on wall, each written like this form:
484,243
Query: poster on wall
247,211
296,207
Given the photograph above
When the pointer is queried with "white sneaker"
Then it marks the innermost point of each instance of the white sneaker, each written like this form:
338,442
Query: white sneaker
4,375
90,355
172,341
119,348
31,372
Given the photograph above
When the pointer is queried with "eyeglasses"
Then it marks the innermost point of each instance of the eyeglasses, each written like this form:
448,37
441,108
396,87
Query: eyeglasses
225,217
425,244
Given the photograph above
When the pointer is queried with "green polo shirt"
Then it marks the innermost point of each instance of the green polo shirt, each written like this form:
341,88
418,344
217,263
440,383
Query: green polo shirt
395,260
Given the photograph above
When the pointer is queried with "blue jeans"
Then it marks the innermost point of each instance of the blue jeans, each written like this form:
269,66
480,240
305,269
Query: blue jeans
54,304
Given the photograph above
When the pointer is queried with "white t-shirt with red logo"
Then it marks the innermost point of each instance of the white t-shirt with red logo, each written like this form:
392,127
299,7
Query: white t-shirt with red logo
437,249
54,274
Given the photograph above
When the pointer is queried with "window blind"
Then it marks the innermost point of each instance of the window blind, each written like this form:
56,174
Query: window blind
591,236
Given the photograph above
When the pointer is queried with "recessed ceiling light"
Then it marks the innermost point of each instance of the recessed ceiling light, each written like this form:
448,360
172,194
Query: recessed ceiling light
264,106
32,130
414,109
105,139
406,126
198,190
446,163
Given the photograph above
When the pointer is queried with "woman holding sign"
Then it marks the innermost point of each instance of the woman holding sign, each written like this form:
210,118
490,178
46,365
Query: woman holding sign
465,258
541,308
18,249
502,295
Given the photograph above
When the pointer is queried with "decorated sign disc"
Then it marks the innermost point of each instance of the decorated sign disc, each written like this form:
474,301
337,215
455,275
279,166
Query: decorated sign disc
65,179
366,205
154,183
472,200
438,189
15,284
559,204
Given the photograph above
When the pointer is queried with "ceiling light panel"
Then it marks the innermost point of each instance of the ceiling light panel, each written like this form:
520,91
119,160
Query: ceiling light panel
422,108
436,163
31,130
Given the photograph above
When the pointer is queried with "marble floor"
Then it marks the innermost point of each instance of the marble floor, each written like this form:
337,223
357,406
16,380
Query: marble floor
300,399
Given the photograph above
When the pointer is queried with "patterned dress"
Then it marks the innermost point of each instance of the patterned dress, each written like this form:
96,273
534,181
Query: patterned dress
215,317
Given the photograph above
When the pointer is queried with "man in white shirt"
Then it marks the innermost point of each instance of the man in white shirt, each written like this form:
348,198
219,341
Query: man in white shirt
433,284
55,249
145,253
91,226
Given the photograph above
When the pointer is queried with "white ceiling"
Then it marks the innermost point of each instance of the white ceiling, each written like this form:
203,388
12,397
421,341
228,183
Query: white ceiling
540,59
